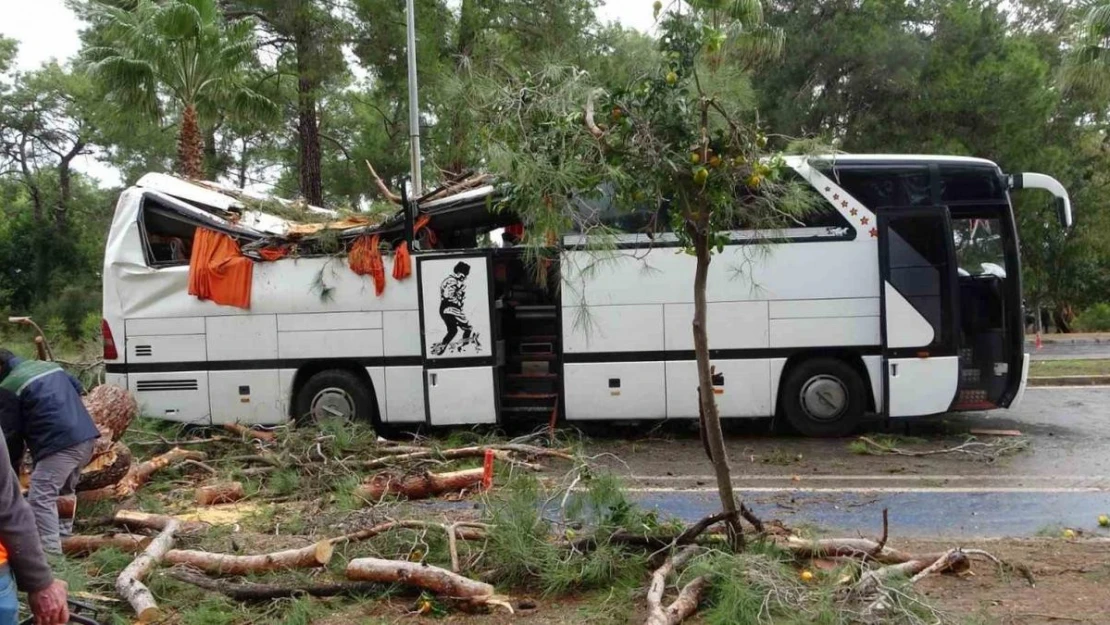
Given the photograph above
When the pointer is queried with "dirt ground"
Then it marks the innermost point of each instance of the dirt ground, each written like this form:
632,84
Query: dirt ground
1071,587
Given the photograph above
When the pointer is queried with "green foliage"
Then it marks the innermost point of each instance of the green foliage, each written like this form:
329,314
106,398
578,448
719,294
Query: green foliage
1094,319
520,540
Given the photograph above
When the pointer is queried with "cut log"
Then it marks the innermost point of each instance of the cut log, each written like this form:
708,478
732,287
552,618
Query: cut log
251,433
431,578
130,585
312,556
84,545
140,474
106,469
67,506
226,492
267,592
133,519
688,598
419,486
112,407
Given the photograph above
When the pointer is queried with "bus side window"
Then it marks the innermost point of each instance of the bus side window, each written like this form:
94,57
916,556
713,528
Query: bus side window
880,187
167,239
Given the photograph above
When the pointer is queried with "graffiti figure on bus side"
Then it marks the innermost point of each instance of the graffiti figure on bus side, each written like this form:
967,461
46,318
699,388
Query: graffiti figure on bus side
452,294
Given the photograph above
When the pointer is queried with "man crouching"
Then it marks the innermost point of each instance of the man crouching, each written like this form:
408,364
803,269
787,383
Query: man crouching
41,409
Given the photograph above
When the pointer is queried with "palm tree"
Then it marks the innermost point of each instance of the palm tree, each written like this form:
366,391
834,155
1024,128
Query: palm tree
182,50
1088,64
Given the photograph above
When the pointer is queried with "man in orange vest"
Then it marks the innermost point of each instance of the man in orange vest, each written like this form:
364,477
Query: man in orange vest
21,556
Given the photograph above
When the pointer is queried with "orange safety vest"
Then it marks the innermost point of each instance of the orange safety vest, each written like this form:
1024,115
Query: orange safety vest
3,555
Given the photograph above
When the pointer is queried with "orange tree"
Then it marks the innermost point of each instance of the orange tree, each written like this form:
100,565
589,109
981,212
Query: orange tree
678,138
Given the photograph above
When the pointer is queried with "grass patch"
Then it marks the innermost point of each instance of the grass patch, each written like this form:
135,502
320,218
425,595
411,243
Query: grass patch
1055,368
781,457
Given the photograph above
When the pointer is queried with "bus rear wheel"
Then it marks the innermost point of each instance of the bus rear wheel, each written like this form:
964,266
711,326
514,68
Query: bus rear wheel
823,397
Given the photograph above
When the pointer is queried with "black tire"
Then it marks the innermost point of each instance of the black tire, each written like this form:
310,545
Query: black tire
338,393
836,398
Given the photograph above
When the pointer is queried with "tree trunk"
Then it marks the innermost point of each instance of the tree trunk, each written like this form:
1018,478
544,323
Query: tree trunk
312,556
106,469
112,407
712,419
308,129
190,145
84,545
419,486
130,585
61,209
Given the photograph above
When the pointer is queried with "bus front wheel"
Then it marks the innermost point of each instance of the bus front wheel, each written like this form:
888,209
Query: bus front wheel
335,394
823,397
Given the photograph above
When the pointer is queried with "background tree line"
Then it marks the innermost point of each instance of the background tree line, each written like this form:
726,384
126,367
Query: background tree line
297,94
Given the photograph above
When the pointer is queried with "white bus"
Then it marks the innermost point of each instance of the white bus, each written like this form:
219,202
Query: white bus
901,299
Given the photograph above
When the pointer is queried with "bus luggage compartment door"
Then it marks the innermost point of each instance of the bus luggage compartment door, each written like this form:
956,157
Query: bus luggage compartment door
457,321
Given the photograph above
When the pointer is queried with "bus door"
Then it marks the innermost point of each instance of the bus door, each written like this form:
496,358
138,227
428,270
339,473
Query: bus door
457,323
919,313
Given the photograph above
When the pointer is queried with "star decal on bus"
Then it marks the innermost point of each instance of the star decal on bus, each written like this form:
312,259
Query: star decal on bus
864,220
853,212
874,233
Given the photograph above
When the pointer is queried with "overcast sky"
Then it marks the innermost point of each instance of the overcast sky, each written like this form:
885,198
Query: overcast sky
46,29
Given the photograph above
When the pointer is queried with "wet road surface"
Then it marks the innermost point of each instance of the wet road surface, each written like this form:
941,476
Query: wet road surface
1061,479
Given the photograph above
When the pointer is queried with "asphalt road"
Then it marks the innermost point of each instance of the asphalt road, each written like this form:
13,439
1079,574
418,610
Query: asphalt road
1061,479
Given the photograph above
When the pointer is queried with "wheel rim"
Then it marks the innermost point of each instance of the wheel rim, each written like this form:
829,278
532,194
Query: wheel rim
824,398
333,403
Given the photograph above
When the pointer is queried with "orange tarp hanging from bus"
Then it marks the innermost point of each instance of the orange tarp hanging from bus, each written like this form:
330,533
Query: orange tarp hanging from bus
365,259
218,271
402,262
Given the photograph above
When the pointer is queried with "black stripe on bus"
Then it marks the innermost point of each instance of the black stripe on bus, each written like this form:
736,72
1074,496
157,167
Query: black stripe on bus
254,365
715,354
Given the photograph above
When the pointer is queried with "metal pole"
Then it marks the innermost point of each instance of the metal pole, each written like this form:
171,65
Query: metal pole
414,104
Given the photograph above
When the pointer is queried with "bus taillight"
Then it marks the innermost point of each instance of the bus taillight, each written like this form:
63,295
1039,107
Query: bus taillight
110,352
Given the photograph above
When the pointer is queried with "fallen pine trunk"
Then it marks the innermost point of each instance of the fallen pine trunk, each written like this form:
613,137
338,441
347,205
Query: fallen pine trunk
111,407
130,585
393,455
872,581
67,506
227,492
267,592
432,578
81,545
106,469
133,519
140,474
246,432
419,486
688,598
312,556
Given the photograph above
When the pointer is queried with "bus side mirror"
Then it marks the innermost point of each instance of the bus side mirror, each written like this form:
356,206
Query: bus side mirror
1062,212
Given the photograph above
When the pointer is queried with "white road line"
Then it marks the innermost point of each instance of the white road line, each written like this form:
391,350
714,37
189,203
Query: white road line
880,478
874,489
1066,388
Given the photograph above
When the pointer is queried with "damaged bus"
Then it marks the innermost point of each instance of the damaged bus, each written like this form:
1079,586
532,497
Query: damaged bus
902,298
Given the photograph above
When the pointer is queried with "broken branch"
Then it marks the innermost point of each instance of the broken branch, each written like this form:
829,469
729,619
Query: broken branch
130,585
397,455
266,592
688,598
133,519
250,433
382,187
140,474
